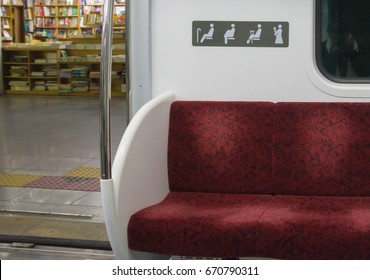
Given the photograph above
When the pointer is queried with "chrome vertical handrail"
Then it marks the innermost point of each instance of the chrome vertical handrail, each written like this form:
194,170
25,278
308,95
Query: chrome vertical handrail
105,90
127,53
1,62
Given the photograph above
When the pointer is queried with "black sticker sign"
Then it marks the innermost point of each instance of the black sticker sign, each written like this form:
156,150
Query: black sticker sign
241,34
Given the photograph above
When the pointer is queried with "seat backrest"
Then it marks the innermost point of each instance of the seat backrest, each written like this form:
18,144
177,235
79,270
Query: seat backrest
322,149
223,147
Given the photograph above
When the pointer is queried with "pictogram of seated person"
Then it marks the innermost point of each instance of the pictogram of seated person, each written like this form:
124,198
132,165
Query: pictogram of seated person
344,55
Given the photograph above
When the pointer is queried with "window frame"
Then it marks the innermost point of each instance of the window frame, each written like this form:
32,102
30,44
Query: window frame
318,53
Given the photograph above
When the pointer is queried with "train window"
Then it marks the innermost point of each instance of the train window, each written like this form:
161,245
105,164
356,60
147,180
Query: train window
343,40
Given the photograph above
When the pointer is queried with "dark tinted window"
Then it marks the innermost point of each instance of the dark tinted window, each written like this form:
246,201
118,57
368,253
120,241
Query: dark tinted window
343,39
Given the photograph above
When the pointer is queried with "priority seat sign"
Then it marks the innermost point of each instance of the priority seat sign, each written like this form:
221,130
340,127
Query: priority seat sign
240,34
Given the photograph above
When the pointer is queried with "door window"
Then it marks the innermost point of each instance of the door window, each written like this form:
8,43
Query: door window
343,40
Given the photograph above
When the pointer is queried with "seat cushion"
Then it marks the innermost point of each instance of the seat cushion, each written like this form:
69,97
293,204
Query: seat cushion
199,224
298,227
231,225
322,149
221,147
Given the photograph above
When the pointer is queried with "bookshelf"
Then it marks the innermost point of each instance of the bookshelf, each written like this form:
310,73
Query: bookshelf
6,17
43,70
55,20
45,19
29,24
11,18
67,19
79,69
73,70
30,71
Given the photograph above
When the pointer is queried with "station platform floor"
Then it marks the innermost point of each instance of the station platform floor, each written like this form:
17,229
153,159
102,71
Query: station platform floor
50,166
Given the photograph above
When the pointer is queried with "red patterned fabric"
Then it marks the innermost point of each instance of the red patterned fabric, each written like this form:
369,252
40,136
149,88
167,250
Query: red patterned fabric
322,149
223,147
288,181
199,224
298,227
239,225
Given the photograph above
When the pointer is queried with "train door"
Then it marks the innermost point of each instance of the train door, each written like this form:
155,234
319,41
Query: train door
49,151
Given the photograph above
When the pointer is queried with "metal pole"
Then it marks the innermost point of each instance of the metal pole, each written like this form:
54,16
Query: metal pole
105,90
1,62
127,53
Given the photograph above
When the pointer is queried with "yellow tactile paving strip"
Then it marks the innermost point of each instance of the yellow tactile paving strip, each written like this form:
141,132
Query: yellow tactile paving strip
84,172
17,180
82,178
38,227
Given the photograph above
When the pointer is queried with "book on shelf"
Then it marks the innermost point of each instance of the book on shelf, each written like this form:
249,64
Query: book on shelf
116,74
6,33
28,15
51,57
44,11
67,33
28,37
68,22
18,85
50,71
68,11
51,85
99,19
119,58
40,60
65,73
119,15
80,71
29,26
19,58
45,22
19,88
17,2
37,73
65,87
94,74
63,53
49,22
94,89
62,33
93,58
3,11
39,85
48,33
41,88
91,2
62,11
5,23
68,2
43,2
91,18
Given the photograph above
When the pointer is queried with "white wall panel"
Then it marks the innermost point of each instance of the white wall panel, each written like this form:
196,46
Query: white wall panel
239,73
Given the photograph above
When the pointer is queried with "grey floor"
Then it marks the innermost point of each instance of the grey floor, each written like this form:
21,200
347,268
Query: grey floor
50,136
13,252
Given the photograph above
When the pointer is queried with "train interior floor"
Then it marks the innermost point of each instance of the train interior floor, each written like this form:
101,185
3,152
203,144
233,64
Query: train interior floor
50,168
